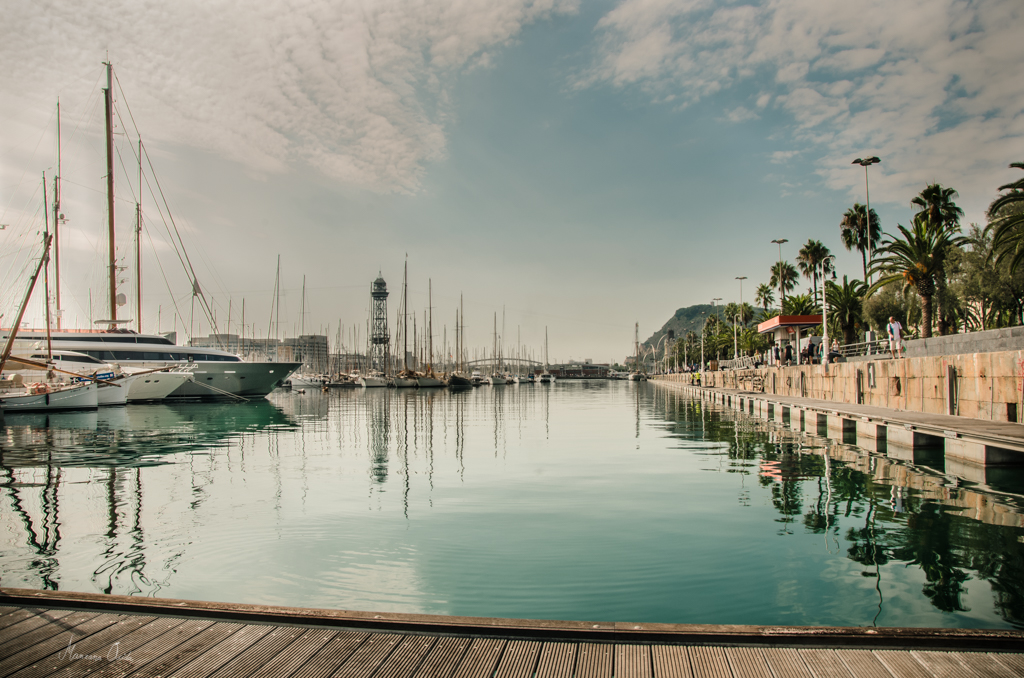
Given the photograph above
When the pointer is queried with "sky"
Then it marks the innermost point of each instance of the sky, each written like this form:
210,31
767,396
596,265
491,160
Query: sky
560,166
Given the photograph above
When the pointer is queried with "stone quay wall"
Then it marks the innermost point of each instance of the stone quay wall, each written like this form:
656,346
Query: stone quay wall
984,386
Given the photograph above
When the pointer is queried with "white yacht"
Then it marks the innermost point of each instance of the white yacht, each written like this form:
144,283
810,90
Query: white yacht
215,373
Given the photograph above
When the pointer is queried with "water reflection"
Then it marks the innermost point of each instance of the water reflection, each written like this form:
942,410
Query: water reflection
488,501
886,511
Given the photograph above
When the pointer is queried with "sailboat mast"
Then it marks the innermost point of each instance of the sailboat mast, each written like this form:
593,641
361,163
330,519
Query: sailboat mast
430,324
46,278
9,346
405,317
56,221
138,253
108,105
302,310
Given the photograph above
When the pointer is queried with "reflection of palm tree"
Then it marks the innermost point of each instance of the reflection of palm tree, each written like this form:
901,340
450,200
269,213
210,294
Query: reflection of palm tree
810,260
855,234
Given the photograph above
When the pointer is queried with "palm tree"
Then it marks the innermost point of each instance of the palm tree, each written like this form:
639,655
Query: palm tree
799,304
765,295
943,212
810,259
915,259
1006,218
784,277
846,306
855,235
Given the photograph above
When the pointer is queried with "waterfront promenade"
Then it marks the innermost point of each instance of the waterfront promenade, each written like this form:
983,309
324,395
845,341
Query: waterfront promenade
45,633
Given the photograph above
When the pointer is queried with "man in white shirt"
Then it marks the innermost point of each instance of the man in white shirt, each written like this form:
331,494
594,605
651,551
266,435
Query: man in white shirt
895,331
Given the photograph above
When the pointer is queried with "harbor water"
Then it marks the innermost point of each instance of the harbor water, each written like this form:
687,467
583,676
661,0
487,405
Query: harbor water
581,500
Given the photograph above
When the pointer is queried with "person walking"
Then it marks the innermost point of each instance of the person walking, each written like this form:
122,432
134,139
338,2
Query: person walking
895,330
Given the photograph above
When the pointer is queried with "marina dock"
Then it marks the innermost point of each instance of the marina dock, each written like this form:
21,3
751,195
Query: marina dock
50,633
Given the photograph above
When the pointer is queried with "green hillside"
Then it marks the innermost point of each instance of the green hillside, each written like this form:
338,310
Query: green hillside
685,320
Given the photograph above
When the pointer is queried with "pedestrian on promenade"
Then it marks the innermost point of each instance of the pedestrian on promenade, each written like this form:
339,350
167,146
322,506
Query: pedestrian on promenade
895,330
789,354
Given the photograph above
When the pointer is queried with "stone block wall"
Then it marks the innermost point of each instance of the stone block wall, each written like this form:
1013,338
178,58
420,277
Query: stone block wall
985,385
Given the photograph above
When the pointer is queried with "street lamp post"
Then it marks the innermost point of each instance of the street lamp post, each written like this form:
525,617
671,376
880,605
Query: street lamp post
703,325
782,294
865,163
824,306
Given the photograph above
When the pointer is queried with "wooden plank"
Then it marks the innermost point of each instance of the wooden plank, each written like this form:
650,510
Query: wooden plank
557,660
23,621
901,663
785,662
407,658
369,656
824,664
942,665
670,661
1012,661
86,652
296,654
595,660
481,658
984,664
7,609
152,649
186,651
748,661
332,655
633,661
268,647
863,664
519,659
443,657
709,661
35,645
220,654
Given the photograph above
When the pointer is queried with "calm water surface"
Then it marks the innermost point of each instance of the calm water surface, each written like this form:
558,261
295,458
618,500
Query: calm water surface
583,500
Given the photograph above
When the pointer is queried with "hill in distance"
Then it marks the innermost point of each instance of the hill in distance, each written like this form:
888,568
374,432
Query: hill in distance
685,320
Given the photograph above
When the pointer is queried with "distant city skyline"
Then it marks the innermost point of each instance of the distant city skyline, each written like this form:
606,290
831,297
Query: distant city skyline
579,167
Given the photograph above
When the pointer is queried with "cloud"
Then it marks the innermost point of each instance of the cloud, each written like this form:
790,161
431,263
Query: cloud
780,157
359,90
740,114
931,86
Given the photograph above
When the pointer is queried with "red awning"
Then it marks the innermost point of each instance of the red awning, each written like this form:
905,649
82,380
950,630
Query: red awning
778,321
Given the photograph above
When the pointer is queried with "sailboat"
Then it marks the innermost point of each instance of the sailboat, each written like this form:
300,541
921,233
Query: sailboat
216,373
458,379
406,378
545,376
18,396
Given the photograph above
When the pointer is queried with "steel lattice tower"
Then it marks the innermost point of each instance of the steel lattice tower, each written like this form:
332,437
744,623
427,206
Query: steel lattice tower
379,337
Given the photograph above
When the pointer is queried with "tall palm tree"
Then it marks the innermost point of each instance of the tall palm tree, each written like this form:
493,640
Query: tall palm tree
1006,218
784,277
846,306
800,304
765,295
915,260
810,259
938,203
856,235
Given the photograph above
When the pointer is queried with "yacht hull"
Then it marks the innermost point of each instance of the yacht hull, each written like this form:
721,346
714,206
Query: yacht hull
80,397
156,386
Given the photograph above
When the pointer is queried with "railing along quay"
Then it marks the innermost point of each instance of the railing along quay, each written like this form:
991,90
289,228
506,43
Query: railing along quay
46,633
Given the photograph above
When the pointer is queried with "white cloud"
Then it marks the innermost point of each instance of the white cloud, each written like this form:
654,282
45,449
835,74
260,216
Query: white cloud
360,90
931,86
780,157
740,114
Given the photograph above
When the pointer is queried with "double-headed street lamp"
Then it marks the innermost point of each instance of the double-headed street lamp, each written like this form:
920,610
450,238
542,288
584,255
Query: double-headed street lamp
782,294
865,163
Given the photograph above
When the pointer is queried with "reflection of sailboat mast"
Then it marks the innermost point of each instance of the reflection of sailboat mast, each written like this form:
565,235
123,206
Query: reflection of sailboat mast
47,564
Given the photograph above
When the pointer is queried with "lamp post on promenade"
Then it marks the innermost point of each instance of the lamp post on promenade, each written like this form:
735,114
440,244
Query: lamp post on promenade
824,306
865,163
702,326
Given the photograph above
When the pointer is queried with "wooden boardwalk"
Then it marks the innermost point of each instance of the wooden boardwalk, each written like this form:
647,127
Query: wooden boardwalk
46,634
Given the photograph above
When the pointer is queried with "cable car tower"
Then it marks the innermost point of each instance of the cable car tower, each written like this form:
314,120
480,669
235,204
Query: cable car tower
379,337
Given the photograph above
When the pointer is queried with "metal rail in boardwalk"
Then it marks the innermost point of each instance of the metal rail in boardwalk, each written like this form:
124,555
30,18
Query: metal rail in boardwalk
46,634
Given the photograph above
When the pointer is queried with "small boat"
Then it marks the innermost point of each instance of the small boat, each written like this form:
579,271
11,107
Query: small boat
370,380
406,379
429,380
42,397
545,378
459,381
495,380
307,380
522,379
